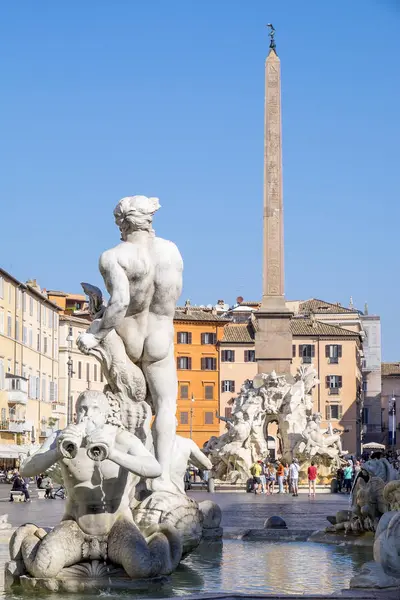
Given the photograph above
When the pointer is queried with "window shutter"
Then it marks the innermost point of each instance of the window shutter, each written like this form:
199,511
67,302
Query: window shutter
300,350
203,362
246,356
233,356
189,363
178,337
222,386
293,351
189,337
339,351
233,386
327,412
214,364
327,351
327,380
340,381
177,363
203,338
312,351
340,410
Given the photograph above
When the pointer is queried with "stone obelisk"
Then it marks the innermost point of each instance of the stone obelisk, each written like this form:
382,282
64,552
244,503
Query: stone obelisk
273,336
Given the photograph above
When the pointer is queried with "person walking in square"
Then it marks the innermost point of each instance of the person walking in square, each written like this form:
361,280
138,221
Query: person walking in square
312,479
281,474
294,476
348,477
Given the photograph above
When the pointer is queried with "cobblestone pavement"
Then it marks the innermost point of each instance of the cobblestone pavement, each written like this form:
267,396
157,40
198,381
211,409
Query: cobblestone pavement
238,508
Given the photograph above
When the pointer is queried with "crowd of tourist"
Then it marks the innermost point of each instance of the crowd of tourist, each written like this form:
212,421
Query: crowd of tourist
267,475
20,485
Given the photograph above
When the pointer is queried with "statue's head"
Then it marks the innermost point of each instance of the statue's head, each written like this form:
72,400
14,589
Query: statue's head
135,213
92,406
317,418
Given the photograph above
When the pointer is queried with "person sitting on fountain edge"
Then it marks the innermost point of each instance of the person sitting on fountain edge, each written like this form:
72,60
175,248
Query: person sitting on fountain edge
98,463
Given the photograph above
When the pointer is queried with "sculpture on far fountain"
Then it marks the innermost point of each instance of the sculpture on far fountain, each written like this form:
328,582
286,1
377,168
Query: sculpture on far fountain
320,441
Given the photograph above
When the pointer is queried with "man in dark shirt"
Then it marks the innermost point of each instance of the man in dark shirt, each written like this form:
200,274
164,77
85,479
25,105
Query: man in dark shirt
19,485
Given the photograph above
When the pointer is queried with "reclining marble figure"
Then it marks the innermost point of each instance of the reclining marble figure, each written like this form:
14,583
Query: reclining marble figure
101,463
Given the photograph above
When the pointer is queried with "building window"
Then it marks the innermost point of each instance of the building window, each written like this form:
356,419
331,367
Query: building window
37,386
365,385
2,374
333,383
249,356
228,412
24,334
101,376
184,337
228,356
228,385
333,352
44,315
307,352
1,321
9,293
184,418
43,389
293,351
333,411
79,370
38,342
208,418
16,329
87,372
16,368
52,392
209,338
94,372
31,306
38,312
184,392
9,324
18,297
184,362
3,415
209,392
45,344
208,363
365,416
23,301
30,337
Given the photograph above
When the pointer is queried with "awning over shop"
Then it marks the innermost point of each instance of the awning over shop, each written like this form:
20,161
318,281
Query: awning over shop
15,451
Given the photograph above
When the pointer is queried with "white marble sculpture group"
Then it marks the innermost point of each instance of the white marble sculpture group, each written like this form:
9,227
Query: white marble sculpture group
127,515
266,399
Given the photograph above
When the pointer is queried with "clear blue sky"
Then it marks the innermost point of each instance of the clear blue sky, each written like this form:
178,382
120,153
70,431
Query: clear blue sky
102,99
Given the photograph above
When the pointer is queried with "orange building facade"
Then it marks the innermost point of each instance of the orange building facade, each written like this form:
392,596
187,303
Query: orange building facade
197,333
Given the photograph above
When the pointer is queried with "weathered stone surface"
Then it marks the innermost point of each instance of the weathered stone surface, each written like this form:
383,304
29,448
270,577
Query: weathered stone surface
372,576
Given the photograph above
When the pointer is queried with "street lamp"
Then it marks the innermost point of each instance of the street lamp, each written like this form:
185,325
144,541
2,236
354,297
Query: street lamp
191,417
70,373
392,413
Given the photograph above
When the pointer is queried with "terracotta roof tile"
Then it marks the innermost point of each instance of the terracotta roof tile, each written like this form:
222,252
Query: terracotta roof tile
311,327
194,313
238,333
320,306
391,369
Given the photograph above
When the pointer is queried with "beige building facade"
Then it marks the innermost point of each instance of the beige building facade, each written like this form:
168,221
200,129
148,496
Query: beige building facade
28,362
390,405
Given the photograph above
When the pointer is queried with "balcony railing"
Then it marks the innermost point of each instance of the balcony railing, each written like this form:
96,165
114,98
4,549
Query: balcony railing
333,360
16,426
334,391
17,397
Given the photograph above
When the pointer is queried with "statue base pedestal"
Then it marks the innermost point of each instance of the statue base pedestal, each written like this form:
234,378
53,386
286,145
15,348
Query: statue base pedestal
90,576
372,576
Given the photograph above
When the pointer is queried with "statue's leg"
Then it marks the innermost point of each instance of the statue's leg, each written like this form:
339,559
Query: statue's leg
60,548
140,558
163,385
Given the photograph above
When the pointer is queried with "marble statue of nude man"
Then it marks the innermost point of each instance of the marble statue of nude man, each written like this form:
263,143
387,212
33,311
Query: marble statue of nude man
316,437
143,276
97,513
